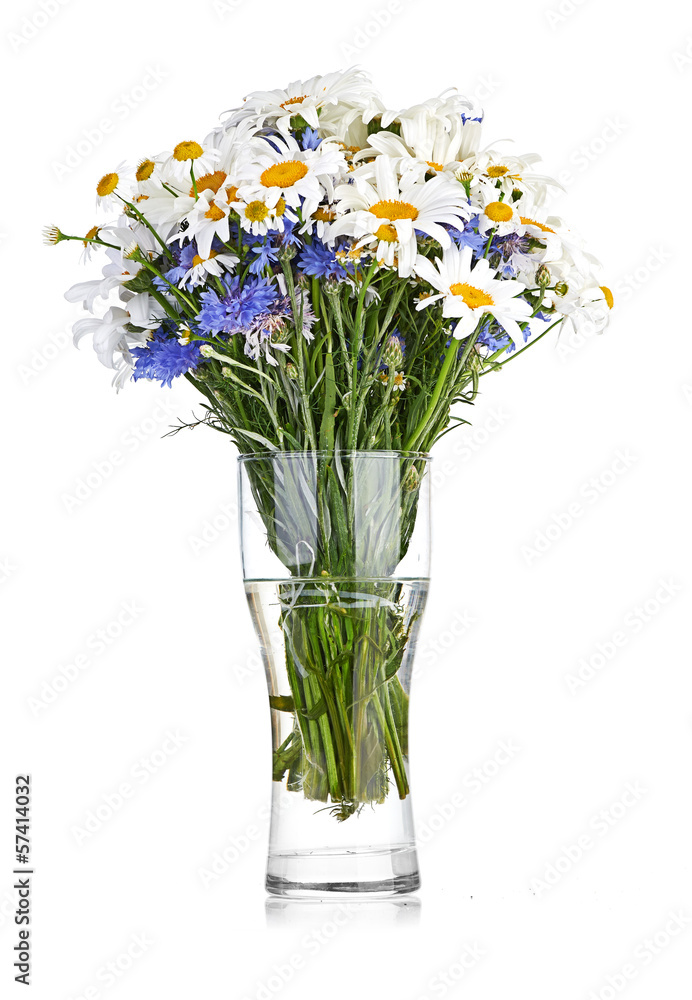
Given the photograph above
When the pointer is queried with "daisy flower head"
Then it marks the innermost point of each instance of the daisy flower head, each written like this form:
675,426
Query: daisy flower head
507,174
258,217
322,218
202,268
441,132
538,225
302,177
208,218
112,333
500,217
188,156
469,292
307,100
112,188
584,304
390,211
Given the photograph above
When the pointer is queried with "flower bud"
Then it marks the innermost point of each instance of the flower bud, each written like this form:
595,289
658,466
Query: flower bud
411,479
281,334
561,288
393,353
543,276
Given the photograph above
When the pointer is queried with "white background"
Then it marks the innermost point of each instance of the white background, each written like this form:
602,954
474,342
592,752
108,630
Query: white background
602,90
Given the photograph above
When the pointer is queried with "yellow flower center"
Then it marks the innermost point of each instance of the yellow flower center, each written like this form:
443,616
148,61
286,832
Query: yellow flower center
284,174
394,210
90,235
231,193
280,207
293,100
435,166
107,185
196,260
532,222
214,213
387,233
497,171
610,301
145,170
475,298
187,150
256,211
209,182
324,214
497,211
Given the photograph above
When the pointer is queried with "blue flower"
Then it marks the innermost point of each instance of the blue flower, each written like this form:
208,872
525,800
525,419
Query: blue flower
183,263
309,139
237,308
495,339
468,237
266,255
319,261
165,358
288,238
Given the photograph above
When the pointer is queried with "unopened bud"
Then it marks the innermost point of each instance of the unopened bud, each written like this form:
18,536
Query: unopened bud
543,276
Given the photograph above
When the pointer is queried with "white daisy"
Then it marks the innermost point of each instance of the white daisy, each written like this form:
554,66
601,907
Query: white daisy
109,331
128,236
507,173
111,190
259,217
284,170
437,135
186,156
208,218
536,223
215,264
471,292
389,210
501,217
311,99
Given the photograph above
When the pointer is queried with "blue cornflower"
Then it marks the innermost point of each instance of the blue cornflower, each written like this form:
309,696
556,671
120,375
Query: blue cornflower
165,358
289,238
265,255
183,262
237,308
309,139
468,237
319,261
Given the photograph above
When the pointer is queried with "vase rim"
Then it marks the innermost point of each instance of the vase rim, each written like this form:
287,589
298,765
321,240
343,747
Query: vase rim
324,453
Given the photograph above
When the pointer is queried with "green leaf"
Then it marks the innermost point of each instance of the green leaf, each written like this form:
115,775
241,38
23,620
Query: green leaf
316,711
282,702
141,282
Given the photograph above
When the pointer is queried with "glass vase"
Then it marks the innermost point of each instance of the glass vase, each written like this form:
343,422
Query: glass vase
335,549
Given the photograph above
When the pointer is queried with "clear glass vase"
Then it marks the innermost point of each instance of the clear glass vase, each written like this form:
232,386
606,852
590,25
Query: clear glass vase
335,550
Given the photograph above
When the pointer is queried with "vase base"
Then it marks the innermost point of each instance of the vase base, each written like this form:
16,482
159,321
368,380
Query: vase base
376,873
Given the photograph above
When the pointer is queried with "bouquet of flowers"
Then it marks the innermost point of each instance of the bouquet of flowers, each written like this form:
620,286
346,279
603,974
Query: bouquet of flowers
333,276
